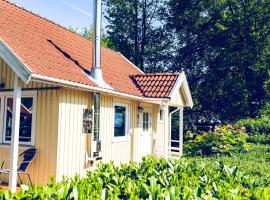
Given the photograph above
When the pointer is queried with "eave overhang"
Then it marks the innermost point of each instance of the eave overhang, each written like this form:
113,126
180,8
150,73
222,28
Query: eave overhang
21,70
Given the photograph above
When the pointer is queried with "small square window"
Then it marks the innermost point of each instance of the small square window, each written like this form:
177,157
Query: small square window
120,122
161,115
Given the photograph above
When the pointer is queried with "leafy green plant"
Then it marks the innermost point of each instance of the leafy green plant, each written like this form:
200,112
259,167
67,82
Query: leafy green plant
225,140
257,126
153,178
259,139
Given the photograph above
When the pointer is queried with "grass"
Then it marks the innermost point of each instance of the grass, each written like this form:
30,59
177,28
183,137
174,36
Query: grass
255,162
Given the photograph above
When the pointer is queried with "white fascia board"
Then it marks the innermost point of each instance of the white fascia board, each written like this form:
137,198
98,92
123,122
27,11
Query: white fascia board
177,84
188,93
182,80
70,84
20,69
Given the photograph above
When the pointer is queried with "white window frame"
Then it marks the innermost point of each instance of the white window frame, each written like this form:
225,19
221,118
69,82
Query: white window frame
148,122
121,138
4,96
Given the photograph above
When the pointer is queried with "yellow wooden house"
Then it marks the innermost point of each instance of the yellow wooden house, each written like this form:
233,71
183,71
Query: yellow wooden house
77,102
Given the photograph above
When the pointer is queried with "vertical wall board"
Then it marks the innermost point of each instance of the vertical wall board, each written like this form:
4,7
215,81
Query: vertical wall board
72,142
46,128
45,138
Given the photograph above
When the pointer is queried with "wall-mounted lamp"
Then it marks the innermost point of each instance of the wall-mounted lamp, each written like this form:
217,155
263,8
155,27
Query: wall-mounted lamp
162,105
2,85
140,109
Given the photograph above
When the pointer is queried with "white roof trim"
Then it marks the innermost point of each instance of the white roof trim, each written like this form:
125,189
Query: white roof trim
188,93
182,81
25,74
15,63
177,83
70,84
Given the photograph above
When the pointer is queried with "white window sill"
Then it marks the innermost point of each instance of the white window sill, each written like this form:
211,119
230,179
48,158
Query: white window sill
8,146
120,140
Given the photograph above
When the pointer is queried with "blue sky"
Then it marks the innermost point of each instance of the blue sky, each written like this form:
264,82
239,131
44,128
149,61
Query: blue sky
75,13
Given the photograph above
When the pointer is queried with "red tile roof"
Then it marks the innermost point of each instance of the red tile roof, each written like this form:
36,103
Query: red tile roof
53,51
155,85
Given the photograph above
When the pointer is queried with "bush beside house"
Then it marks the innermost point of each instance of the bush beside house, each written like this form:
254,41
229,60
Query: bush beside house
226,140
153,179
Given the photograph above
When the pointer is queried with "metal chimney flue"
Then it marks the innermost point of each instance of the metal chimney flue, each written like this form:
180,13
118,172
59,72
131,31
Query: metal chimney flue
96,71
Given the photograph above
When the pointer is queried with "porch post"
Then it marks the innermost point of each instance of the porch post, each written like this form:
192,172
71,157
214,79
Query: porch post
15,134
166,132
181,130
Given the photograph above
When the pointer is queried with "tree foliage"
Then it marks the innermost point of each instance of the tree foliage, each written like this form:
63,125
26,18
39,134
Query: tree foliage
223,45
87,34
135,29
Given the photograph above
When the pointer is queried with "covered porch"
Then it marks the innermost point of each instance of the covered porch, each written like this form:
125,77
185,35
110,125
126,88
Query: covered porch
23,123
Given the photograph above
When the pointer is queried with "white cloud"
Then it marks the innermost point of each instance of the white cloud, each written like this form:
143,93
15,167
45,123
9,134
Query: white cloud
78,9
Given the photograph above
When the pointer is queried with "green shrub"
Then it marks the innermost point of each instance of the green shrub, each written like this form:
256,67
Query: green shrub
225,140
257,126
265,111
153,179
259,139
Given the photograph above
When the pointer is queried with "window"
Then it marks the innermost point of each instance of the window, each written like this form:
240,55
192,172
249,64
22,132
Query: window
146,121
27,116
161,115
120,122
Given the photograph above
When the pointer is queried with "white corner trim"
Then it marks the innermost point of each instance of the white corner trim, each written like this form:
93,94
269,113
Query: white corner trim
15,63
130,62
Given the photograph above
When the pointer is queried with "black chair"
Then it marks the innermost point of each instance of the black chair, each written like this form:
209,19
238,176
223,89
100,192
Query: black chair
27,157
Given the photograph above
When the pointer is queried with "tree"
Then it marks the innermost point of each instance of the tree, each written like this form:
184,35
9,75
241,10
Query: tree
87,33
224,48
136,31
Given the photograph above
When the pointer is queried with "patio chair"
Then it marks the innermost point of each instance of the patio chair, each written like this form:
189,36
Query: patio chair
27,157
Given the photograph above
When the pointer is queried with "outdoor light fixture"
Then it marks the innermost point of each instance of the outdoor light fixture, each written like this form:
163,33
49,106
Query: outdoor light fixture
140,109
2,85
162,105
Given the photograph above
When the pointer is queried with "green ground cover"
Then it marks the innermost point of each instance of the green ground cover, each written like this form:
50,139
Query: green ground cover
212,177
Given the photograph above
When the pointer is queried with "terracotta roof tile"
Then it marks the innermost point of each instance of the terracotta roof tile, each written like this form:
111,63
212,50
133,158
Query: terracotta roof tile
51,50
155,85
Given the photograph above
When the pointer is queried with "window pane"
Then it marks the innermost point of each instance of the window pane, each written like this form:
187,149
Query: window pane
161,115
25,119
146,121
119,121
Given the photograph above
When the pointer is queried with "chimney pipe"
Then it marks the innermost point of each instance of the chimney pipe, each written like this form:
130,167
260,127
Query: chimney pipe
96,71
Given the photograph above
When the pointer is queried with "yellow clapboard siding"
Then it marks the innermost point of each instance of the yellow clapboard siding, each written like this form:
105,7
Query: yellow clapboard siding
59,138
7,77
72,142
45,129
119,152
45,138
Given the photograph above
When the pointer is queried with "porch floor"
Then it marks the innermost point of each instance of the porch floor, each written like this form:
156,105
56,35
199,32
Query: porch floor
4,186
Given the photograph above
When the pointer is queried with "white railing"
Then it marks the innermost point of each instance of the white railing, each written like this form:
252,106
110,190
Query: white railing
174,151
